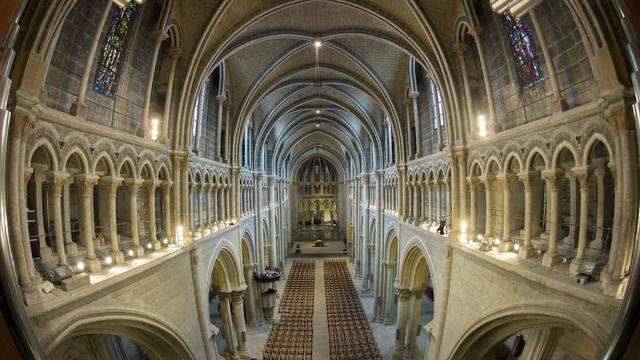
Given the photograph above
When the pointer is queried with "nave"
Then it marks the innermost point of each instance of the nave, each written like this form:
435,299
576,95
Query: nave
320,316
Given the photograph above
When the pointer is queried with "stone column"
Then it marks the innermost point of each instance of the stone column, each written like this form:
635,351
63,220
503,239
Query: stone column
599,173
430,198
438,185
251,295
86,183
527,250
414,323
216,203
152,185
573,194
46,252
110,185
241,327
27,274
391,277
473,199
208,210
185,199
403,314
423,186
551,257
582,174
71,248
227,326
506,244
414,186
134,186
486,180
166,210
57,180
198,205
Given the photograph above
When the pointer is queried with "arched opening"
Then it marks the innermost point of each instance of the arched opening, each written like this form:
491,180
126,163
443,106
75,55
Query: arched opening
391,265
525,334
119,335
39,216
538,225
415,305
100,346
226,305
513,202
602,188
569,201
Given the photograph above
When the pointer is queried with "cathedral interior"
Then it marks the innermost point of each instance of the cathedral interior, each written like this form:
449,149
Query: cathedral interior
319,179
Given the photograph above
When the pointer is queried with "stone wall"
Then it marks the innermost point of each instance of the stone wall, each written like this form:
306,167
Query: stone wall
123,111
160,292
515,106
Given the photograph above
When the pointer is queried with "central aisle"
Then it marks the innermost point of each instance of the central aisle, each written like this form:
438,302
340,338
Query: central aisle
320,324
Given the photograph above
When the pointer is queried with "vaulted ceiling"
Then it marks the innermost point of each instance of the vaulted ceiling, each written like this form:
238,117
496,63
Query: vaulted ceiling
304,99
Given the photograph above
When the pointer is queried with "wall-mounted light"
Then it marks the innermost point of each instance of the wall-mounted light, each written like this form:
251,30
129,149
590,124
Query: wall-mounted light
154,132
108,260
482,126
130,252
516,247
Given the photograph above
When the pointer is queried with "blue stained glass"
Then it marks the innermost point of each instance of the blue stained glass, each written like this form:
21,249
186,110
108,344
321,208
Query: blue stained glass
525,54
106,77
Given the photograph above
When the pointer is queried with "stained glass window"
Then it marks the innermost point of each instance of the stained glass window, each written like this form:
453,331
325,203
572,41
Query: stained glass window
106,77
525,54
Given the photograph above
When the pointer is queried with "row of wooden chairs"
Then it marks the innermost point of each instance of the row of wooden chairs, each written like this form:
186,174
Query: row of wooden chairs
291,338
350,336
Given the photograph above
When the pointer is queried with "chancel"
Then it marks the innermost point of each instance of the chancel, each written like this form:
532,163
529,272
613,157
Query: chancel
319,179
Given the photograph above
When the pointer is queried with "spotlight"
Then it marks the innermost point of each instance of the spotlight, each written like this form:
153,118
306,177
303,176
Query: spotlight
165,241
496,241
80,266
317,125
317,43
317,111
108,260
463,226
516,247
480,237
130,252
149,246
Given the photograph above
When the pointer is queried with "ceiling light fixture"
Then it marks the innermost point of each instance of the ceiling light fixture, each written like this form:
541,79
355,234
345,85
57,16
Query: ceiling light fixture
317,111
317,125
317,43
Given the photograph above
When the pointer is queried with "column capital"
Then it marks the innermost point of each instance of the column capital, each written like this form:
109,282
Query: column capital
551,177
111,183
403,293
28,171
237,296
413,94
133,183
152,184
391,264
473,180
506,177
58,178
87,179
167,183
582,174
487,179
